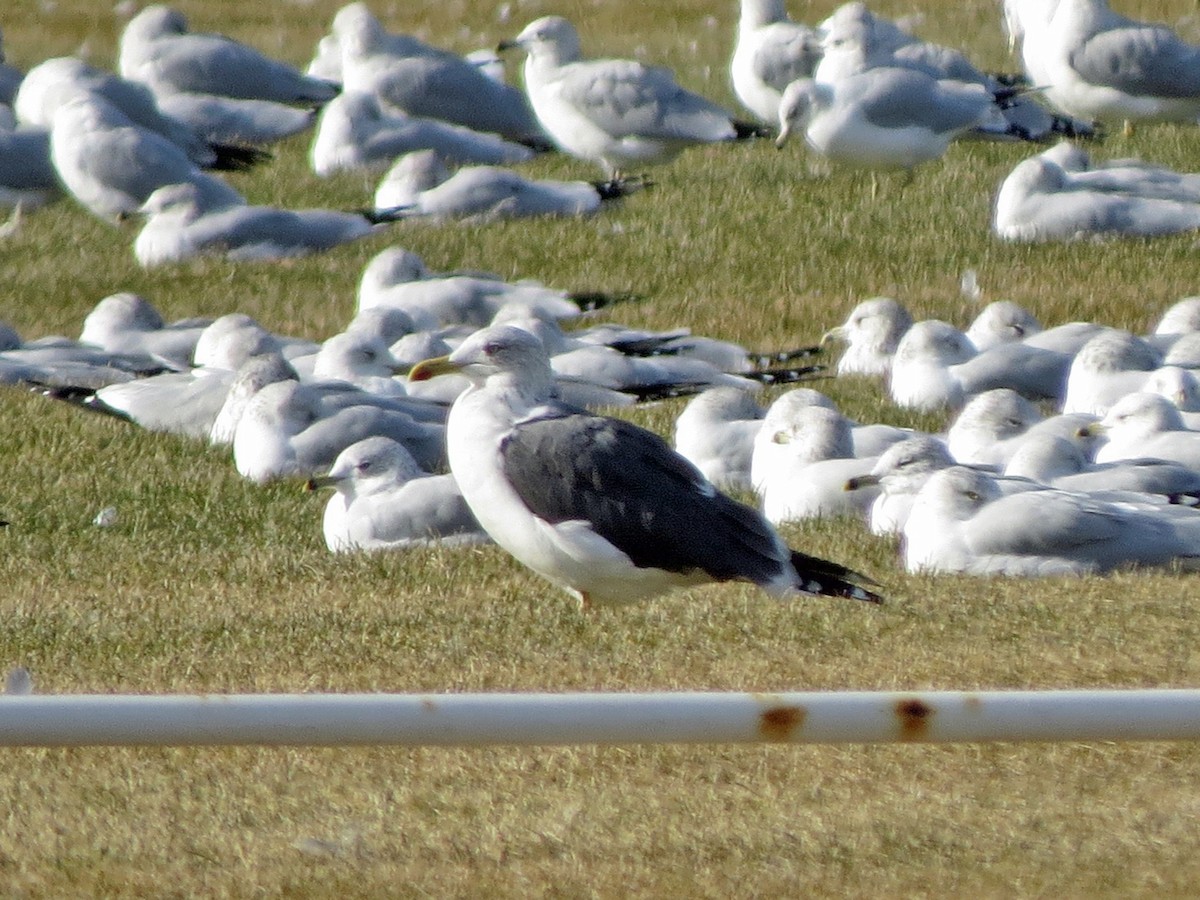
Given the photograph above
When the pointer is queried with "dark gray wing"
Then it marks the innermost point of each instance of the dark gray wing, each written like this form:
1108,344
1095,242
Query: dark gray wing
639,495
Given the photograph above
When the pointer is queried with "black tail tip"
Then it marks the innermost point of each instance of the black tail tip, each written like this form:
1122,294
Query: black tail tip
232,158
749,131
829,579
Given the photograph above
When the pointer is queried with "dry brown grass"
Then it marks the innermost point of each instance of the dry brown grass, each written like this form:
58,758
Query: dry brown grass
208,583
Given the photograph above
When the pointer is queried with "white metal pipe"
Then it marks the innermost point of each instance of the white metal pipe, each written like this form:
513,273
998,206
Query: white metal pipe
596,718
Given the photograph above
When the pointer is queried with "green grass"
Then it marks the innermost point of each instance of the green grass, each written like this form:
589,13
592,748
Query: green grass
209,583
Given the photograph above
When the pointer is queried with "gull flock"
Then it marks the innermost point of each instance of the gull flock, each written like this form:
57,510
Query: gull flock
458,408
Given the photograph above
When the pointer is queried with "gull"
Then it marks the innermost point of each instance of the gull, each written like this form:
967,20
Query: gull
1038,201
399,278
716,431
112,166
936,365
54,81
805,477
1123,176
598,506
1143,425
873,331
854,40
883,118
960,521
1061,463
613,112
990,428
128,323
770,53
1002,322
180,225
1096,63
158,50
286,430
250,378
360,359
1181,318
408,75
228,121
421,183
185,402
898,474
354,132
1109,366
383,500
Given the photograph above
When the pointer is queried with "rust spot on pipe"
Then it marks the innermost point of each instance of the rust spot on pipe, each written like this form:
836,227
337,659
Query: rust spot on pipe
973,703
779,722
428,705
914,715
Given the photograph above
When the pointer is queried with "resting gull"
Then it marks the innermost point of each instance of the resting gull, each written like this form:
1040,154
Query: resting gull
898,474
54,81
811,457
614,112
1041,201
715,432
355,132
181,225
427,190
962,522
990,427
158,50
383,500
406,74
1062,463
599,506
1142,425
872,332
399,278
112,165
1110,365
285,429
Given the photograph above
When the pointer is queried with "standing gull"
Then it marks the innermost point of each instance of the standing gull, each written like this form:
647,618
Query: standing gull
884,118
614,112
1096,63
599,506
771,52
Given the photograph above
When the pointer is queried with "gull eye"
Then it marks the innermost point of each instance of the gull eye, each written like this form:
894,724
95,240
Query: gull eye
491,348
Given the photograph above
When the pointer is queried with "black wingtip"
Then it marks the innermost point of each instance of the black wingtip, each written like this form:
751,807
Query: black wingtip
1067,127
232,158
750,131
386,215
786,375
616,188
776,357
590,301
651,393
830,579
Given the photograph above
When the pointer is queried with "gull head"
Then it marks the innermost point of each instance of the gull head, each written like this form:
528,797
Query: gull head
369,466
800,100
155,22
502,353
551,39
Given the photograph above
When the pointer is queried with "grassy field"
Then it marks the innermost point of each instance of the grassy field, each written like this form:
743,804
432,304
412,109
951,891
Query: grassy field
209,583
